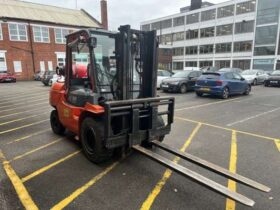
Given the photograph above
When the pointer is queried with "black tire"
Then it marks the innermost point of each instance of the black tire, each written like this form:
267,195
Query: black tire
247,91
199,94
225,93
266,84
56,125
255,82
92,139
183,88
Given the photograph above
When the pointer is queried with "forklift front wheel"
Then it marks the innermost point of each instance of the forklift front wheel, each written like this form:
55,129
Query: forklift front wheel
92,137
56,125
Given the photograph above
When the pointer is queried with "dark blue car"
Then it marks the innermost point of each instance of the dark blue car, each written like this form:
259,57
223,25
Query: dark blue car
222,84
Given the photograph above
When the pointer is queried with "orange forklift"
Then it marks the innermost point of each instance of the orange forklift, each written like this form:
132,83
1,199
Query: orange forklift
108,99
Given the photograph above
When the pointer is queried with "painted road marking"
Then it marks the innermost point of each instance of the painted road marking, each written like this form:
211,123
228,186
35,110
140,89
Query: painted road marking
230,204
24,126
24,102
28,136
24,118
62,204
37,149
24,106
277,142
21,191
157,189
22,95
208,104
227,129
253,117
31,110
16,100
43,169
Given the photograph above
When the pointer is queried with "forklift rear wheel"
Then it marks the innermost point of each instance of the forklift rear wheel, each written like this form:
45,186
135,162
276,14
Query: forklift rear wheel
56,125
92,138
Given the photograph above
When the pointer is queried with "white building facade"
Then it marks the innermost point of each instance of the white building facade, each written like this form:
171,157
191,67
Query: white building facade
238,33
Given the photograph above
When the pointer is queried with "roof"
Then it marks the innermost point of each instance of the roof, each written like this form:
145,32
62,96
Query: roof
15,9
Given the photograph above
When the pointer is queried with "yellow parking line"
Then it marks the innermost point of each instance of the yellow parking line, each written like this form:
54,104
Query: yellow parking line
42,170
28,136
16,100
227,129
24,126
21,191
230,204
277,142
157,189
24,118
24,106
37,149
24,102
17,113
62,204
22,95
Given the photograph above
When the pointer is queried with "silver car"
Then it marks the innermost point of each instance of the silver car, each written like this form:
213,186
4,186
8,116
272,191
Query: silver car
254,76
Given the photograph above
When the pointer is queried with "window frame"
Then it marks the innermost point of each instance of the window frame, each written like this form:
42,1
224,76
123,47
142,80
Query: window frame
5,60
244,25
41,34
1,32
225,8
17,29
208,13
244,4
205,32
240,44
62,38
226,44
220,26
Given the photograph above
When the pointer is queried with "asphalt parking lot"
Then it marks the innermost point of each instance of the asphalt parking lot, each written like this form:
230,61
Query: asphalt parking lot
41,170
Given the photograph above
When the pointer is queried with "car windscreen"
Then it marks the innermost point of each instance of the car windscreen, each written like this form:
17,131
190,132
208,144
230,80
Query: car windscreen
276,73
182,74
249,72
210,76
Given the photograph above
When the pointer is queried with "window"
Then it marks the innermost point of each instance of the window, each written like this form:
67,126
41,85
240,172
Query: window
242,64
266,35
224,30
208,15
146,27
166,38
244,27
226,11
245,7
223,48
165,52
207,32
50,65
179,21
42,66
205,63
178,36
268,11
17,32
265,50
191,50
1,36
192,34
17,67
193,18
178,65
178,51
3,66
245,46
166,23
236,76
222,64
191,64
41,34
60,35
156,26
206,49
264,64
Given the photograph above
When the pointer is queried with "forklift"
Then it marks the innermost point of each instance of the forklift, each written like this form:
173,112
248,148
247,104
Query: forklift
108,100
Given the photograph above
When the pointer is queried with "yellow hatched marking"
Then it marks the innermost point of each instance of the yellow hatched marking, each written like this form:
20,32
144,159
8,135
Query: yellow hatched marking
157,189
24,118
277,142
35,150
230,204
24,102
24,107
42,170
62,204
17,113
21,191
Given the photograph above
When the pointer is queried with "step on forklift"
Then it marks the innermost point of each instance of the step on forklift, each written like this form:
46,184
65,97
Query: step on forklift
108,99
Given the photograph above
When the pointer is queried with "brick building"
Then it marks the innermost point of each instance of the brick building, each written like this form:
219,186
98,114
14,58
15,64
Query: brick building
32,36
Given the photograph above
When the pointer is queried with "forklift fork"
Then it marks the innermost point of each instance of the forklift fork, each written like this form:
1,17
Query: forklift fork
199,178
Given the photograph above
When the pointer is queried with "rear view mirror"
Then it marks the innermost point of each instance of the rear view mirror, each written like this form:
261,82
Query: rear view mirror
92,42
60,71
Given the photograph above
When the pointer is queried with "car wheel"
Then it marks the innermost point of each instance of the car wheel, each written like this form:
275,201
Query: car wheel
266,84
183,88
92,139
247,91
225,93
255,82
199,94
56,125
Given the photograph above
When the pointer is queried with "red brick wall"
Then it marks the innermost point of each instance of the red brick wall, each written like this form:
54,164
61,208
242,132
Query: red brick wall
21,51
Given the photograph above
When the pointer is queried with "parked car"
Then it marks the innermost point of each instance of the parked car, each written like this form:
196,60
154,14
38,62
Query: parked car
273,79
254,76
7,77
180,82
222,84
161,75
209,69
46,79
191,68
38,75
236,70
56,78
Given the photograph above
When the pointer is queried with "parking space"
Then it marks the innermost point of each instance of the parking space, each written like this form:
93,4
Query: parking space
44,171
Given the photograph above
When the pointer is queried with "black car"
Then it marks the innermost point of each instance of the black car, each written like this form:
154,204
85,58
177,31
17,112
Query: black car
180,82
48,75
273,79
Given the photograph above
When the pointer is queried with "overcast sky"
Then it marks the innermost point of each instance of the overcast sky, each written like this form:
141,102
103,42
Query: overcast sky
121,12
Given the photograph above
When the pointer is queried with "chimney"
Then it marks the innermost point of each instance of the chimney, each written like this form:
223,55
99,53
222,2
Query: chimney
104,14
196,4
